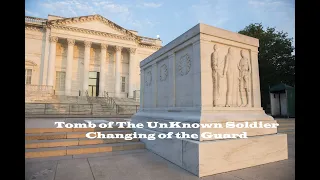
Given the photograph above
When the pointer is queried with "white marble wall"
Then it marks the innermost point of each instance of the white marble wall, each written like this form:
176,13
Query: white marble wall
190,75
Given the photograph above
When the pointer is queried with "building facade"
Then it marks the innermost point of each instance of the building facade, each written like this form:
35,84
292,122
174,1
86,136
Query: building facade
87,55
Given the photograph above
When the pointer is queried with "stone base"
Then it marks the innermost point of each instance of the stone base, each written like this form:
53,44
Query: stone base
213,157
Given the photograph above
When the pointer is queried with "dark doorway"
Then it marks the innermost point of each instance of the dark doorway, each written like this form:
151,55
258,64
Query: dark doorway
93,89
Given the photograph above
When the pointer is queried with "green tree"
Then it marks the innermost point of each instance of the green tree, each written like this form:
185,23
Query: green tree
276,61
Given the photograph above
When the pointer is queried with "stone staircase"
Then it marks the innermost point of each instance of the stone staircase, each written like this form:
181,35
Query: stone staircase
286,126
100,106
126,105
49,142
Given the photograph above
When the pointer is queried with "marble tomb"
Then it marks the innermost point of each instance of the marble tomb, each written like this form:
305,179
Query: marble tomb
207,75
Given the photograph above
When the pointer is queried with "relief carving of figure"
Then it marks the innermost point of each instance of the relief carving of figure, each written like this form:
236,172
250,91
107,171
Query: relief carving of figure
215,75
244,72
230,68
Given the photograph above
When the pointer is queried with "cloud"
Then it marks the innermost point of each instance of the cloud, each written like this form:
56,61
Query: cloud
29,13
208,12
115,8
278,14
152,5
71,8
259,3
151,24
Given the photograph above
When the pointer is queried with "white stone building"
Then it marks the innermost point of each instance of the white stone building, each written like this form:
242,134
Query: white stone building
87,55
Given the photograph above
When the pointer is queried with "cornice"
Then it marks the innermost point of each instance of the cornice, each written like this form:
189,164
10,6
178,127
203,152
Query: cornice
87,31
34,28
150,47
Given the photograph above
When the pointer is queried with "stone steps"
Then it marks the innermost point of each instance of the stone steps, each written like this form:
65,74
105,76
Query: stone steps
84,149
32,144
286,126
67,135
46,142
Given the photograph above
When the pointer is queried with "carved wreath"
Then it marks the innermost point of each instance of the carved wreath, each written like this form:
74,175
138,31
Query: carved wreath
163,72
148,78
184,65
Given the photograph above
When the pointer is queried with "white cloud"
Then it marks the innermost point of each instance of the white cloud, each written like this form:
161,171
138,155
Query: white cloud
151,24
152,5
278,14
29,13
259,3
115,8
215,14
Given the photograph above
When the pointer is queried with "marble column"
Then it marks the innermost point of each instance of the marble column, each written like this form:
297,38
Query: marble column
69,67
118,50
87,46
131,71
52,60
102,69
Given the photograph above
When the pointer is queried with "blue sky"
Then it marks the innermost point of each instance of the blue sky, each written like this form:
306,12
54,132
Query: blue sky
171,18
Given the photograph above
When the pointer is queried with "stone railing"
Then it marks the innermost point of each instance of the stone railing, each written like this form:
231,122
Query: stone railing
38,88
38,92
34,20
148,41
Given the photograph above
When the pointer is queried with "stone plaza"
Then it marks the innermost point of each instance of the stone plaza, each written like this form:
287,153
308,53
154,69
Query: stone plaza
145,165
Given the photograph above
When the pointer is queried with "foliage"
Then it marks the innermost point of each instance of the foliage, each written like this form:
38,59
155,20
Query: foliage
276,61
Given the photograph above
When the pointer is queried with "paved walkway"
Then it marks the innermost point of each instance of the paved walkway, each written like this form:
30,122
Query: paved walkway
144,165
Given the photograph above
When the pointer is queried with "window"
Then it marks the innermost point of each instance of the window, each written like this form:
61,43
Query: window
60,80
123,84
28,75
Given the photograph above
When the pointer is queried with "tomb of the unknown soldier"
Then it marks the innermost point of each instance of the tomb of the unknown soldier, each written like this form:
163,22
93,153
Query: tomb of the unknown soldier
207,75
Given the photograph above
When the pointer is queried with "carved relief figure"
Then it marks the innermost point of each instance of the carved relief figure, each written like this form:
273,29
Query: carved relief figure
215,75
229,70
244,72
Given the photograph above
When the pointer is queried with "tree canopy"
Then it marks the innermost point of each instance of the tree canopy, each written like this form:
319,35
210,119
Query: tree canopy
276,61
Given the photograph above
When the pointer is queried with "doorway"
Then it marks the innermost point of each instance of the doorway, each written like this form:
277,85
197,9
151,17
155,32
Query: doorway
93,89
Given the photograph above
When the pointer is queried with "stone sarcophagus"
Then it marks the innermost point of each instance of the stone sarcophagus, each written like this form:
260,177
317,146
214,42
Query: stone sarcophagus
208,75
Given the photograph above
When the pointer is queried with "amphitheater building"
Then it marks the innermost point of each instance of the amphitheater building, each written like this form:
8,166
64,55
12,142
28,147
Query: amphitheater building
84,56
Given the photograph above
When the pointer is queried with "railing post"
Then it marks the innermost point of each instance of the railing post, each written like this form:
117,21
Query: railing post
91,105
117,109
45,108
69,108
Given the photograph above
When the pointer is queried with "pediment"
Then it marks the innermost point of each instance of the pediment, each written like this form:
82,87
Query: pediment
93,22
96,26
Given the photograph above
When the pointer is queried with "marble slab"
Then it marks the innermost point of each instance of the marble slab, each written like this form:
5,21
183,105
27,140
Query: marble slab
213,157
